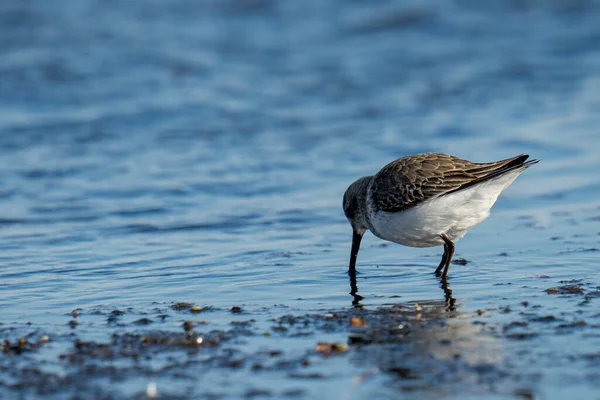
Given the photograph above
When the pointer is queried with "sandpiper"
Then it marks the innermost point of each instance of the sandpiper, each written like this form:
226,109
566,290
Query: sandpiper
426,200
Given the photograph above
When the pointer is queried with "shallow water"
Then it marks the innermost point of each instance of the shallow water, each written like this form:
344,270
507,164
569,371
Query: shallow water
159,152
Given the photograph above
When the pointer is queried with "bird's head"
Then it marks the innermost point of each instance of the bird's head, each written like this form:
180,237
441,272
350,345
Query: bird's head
355,204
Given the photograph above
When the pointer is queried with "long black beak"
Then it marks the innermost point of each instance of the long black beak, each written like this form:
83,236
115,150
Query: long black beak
356,238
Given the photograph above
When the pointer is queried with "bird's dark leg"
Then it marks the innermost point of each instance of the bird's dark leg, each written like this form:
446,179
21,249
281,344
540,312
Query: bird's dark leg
450,253
443,262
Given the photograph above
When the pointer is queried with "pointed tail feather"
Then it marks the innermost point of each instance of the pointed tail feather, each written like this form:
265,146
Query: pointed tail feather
502,167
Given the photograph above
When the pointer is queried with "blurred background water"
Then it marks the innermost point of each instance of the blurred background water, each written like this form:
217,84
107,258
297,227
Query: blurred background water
198,150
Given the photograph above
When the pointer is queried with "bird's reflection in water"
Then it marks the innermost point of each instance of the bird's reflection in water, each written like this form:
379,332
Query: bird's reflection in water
425,345
356,298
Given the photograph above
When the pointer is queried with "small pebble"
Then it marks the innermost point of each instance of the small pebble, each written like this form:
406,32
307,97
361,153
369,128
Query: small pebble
151,390
329,348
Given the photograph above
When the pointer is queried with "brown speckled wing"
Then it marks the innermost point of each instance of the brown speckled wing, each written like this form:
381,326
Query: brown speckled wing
411,180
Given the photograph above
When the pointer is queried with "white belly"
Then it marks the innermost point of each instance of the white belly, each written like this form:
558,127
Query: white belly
453,214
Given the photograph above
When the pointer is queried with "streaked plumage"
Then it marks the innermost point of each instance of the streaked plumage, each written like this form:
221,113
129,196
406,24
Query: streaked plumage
427,200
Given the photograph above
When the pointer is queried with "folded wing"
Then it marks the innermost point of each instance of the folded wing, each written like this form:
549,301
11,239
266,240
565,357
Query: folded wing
411,180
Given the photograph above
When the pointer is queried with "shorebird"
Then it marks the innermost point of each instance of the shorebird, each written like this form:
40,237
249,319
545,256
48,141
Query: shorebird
427,200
